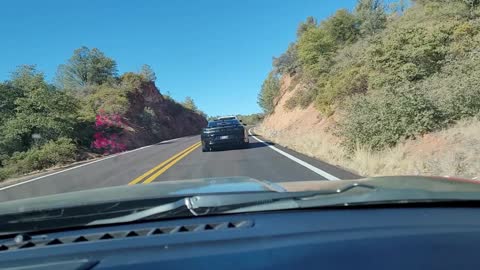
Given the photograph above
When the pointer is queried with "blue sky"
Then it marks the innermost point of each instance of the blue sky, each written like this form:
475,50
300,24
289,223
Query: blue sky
216,51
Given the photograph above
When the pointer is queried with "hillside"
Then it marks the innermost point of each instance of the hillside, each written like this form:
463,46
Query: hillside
382,90
151,118
453,151
88,111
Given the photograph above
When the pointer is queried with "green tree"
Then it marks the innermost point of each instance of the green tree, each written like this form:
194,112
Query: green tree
408,53
8,95
110,100
49,113
190,104
26,78
399,6
342,27
315,48
309,23
268,93
384,118
288,61
86,67
371,15
40,109
147,73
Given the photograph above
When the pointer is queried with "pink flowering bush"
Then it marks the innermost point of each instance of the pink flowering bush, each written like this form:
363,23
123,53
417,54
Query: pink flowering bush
108,131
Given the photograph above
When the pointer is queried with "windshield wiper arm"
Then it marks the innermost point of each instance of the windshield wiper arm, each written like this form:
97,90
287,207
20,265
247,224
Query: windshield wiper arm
157,210
205,204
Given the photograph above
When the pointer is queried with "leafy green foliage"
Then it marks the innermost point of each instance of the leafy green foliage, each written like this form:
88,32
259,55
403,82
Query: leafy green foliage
54,152
385,117
315,48
40,110
147,116
341,27
392,76
371,16
409,54
251,119
309,23
8,95
42,125
302,99
26,78
339,85
189,104
288,62
110,100
147,73
457,88
86,67
317,45
131,80
270,90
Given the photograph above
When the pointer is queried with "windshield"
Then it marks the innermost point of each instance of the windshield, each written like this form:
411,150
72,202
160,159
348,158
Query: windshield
170,101
223,123
227,118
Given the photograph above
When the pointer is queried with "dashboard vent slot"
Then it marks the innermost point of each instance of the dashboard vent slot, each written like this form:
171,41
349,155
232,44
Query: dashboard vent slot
54,242
106,236
27,245
131,234
44,240
156,231
183,229
80,239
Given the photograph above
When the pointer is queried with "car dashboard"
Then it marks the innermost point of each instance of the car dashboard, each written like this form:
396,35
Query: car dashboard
360,238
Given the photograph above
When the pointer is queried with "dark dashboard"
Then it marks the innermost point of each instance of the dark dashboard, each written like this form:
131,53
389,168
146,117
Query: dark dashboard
364,238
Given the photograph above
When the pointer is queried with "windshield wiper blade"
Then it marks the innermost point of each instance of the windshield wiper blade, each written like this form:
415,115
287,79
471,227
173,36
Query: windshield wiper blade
222,203
154,211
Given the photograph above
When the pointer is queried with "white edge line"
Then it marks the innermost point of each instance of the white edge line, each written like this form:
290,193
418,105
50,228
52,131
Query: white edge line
297,160
83,165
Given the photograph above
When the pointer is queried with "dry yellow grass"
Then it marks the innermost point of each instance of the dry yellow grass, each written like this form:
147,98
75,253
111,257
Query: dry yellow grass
453,152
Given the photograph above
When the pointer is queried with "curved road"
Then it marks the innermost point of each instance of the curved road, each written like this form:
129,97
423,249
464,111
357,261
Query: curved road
178,159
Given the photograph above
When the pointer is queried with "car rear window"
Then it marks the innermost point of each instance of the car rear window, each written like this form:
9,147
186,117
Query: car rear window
223,123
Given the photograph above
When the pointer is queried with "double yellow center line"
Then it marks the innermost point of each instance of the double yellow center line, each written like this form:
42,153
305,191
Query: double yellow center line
164,166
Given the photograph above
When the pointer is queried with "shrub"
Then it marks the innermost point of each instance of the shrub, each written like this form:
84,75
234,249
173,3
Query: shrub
50,154
106,98
270,90
108,133
251,119
315,48
384,118
302,99
342,83
456,89
147,116
5,173
408,53
287,63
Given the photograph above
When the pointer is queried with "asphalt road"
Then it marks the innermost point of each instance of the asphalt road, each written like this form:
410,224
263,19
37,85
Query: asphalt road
178,159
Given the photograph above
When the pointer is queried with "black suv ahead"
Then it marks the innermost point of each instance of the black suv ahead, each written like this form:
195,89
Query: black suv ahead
224,133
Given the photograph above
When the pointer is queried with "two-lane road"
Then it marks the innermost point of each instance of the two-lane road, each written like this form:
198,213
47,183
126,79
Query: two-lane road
178,159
